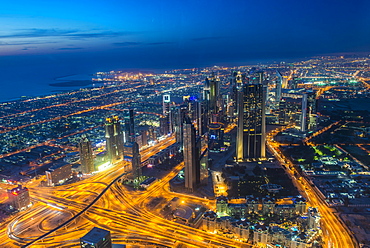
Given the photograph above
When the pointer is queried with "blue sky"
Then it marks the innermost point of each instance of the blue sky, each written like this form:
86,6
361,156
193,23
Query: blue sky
188,33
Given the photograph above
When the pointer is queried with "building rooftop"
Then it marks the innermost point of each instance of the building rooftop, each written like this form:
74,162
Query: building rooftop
95,235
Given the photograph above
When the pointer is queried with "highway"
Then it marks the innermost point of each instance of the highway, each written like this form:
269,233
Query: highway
99,202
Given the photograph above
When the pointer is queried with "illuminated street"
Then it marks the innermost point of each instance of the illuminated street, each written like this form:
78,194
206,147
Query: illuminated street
335,233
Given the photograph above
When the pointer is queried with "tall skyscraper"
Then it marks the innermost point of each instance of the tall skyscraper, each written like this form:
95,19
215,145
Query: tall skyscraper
279,83
132,155
179,117
114,139
136,161
308,115
86,155
250,142
166,103
191,156
129,134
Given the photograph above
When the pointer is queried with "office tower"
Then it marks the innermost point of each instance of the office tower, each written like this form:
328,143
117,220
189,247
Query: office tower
114,139
308,115
19,198
251,122
96,238
214,93
132,154
136,161
166,103
164,126
304,113
179,117
283,115
86,155
191,156
215,137
279,83
203,159
129,135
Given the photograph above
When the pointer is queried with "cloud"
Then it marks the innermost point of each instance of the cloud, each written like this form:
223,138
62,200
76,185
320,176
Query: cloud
69,48
127,43
72,33
160,43
207,38
22,43
28,48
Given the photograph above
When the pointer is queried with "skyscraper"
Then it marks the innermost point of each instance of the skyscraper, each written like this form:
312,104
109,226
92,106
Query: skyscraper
129,134
166,103
114,139
132,154
279,83
250,143
86,155
136,161
308,116
191,156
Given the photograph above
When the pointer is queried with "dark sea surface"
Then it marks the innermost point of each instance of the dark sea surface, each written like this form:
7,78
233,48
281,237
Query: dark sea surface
37,76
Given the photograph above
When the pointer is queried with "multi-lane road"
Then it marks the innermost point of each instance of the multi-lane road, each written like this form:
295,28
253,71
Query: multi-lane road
119,210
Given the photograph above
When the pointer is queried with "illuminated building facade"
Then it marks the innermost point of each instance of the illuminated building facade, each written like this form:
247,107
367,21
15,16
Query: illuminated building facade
279,83
58,174
19,198
191,156
114,138
129,132
166,103
132,155
215,137
86,155
251,134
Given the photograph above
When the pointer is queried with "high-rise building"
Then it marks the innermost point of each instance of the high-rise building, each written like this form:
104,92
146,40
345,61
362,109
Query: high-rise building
129,128
86,155
114,139
203,159
308,116
96,238
191,156
132,154
179,116
251,132
279,83
211,95
215,137
166,102
19,198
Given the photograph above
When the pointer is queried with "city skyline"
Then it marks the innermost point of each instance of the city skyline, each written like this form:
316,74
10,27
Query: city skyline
40,42
185,123
163,150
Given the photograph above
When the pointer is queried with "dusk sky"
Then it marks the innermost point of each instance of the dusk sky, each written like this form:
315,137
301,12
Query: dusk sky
67,36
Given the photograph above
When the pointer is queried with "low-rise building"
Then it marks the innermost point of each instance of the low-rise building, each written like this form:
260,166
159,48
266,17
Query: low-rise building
19,198
96,238
58,174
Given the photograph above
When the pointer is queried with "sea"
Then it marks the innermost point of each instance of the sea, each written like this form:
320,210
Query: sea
28,78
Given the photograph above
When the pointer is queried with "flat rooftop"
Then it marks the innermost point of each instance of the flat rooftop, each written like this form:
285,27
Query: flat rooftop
95,235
